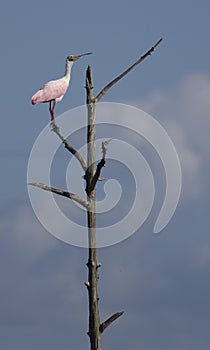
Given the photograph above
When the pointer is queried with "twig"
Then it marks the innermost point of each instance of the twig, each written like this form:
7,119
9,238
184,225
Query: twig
72,196
104,147
100,165
71,149
111,319
114,81
102,179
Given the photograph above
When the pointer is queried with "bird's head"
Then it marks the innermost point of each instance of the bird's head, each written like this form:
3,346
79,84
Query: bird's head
73,58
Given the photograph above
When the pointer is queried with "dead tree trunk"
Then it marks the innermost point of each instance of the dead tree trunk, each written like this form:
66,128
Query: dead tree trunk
92,264
92,175
95,328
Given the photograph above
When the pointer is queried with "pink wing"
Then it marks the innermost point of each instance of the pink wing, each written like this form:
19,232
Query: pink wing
52,90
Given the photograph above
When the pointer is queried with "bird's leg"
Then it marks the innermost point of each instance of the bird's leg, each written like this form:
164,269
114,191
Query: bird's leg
51,109
53,124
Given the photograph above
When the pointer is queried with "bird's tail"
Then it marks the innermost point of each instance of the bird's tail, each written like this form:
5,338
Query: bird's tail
37,97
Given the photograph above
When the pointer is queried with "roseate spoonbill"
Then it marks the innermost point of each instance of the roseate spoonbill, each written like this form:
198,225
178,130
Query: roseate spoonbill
54,90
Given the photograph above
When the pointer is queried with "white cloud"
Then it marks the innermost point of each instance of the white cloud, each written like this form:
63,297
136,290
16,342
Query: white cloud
184,113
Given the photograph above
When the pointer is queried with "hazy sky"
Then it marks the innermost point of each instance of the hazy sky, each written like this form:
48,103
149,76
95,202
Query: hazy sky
160,281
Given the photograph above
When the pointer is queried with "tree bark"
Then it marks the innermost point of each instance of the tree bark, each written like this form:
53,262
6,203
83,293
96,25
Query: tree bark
92,264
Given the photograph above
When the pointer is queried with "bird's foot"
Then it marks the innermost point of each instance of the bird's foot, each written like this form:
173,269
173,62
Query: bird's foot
54,127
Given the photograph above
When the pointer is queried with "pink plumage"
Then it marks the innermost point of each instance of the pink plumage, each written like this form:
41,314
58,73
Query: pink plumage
54,90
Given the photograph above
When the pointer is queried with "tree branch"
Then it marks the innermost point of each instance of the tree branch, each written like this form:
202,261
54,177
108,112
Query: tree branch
71,149
111,319
114,81
101,164
69,195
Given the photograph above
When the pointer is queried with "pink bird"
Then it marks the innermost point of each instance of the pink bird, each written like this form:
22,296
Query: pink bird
54,90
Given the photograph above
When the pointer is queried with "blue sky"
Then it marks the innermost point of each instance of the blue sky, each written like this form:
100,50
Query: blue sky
160,281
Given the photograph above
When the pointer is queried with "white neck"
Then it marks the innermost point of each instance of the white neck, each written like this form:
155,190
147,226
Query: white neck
69,64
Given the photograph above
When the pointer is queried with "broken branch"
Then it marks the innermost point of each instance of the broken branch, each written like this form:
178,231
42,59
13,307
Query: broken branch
100,165
71,149
69,195
111,319
114,81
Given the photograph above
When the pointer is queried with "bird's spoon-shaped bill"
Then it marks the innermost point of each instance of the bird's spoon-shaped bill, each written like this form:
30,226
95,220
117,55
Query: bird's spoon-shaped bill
84,54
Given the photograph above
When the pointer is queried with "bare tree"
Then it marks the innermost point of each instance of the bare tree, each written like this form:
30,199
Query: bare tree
92,176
